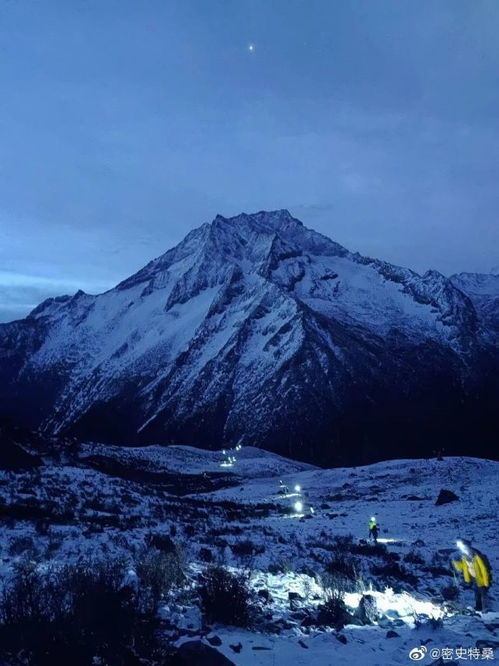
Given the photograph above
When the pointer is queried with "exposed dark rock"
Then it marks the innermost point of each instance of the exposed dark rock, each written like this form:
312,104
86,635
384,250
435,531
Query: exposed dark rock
205,555
295,596
367,610
215,640
195,653
265,595
308,621
236,648
445,497
392,634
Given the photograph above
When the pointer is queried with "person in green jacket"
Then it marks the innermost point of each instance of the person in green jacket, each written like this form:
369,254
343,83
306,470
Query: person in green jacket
475,568
373,529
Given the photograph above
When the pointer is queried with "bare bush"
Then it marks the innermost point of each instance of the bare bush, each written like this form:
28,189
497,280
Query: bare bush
23,545
333,611
227,598
158,572
76,613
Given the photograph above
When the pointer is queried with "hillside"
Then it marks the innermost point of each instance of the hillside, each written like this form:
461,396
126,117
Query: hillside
82,508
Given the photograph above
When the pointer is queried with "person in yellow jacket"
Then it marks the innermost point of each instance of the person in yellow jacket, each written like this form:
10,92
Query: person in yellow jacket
476,569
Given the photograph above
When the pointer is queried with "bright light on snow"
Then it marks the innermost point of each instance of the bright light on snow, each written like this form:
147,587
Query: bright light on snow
298,507
289,495
297,488
384,540
404,604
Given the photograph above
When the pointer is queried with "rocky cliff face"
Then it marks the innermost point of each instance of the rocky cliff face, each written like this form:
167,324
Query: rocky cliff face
258,330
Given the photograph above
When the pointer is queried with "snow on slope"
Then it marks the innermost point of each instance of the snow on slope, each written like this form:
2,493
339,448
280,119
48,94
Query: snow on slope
483,290
401,493
111,515
250,462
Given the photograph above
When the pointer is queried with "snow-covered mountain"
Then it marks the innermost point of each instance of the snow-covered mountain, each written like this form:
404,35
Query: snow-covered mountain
483,289
257,329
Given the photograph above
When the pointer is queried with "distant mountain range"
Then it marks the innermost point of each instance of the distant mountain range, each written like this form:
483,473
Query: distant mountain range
257,330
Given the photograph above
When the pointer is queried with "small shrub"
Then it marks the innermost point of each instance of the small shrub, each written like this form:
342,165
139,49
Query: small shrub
205,555
450,592
414,557
280,566
227,598
161,542
332,612
42,526
437,571
246,548
395,571
158,573
23,545
369,549
343,543
343,569
54,543
190,530
70,614
308,571
394,557
75,615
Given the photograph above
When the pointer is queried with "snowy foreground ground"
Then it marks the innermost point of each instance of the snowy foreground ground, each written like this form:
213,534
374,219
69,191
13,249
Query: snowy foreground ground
109,499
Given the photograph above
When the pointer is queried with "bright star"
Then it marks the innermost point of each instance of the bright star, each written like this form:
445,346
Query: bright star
251,47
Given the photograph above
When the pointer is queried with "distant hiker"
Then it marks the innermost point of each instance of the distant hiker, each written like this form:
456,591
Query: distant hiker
476,569
373,529
283,489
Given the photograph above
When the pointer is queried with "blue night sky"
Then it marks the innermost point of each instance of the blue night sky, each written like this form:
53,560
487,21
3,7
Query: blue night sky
125,123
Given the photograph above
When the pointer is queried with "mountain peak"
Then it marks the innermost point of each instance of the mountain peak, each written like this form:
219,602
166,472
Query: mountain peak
263,220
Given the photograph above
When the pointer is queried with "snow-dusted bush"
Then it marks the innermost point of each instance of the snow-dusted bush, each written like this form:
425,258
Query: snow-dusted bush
73,614
68,614
157,572
343,570
227,598
246,548
332,612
